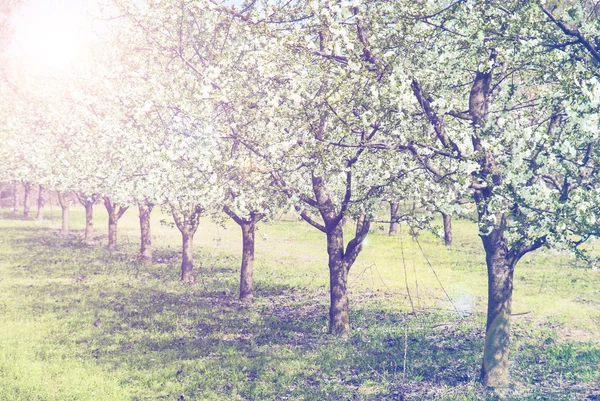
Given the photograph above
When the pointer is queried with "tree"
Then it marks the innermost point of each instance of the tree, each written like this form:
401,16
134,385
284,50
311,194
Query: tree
211,59
88,202
514,148
317,138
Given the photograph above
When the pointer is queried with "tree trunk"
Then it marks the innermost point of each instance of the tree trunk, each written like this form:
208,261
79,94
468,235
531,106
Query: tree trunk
88,203
187,257
339,318
15,191
246,272
187,222
26,199
115,212
40,204
64,205
494,370
112,229
248,227
340,258
89,220
447,229
145,239
394,206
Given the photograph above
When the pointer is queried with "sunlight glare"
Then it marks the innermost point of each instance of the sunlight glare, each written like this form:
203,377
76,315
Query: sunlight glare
49,34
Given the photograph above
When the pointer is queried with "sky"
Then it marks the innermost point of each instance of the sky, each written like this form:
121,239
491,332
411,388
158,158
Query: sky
50,34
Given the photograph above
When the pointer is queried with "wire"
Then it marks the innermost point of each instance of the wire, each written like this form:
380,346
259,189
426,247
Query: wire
438,279
415,270
412,305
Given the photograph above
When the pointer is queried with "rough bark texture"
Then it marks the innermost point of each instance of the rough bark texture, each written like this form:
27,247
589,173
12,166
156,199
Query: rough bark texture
187,222
145,235
500,267
447,229
40,204
394,206
500,264
64,205
115,212
339,318
26,199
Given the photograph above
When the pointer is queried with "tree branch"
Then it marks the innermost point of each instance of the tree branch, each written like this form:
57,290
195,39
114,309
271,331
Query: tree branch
574,33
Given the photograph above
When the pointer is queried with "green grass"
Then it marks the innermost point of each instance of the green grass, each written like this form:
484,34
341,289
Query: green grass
80,323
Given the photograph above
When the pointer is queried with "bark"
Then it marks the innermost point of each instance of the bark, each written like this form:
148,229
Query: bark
187,222
447,229
115,212
64,205
145,209
248,226
89,221
339,318
247,269
15,191
40,204
500,267
88,203
187,257
340,258
112,230
394,206
26,198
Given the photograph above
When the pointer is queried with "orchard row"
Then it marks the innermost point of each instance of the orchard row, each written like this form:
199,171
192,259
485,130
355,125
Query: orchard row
328,108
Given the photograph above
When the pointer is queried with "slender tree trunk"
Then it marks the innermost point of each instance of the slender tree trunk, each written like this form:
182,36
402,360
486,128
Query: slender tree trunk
494,370
89,220
187,222
15,191
112,230
114,214
145,238
394,206
88,203
64,205
247,269
340,258
447,229
40,204
26,198
339,318
187,257
248,227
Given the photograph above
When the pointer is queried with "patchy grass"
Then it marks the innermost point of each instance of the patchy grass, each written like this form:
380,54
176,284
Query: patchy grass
80,323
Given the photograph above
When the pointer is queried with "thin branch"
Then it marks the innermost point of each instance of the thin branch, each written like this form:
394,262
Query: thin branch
309,220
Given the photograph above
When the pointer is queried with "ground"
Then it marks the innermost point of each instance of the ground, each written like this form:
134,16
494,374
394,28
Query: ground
78,322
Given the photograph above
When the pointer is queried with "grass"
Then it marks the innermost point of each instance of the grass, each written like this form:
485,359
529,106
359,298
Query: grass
80,323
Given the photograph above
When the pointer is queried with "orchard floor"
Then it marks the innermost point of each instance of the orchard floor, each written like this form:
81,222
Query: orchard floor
78,322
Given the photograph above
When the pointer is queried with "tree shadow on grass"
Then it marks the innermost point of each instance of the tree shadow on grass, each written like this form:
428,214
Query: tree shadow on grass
208,345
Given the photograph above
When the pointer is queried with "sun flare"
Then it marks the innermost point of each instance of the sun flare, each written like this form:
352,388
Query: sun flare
49,34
